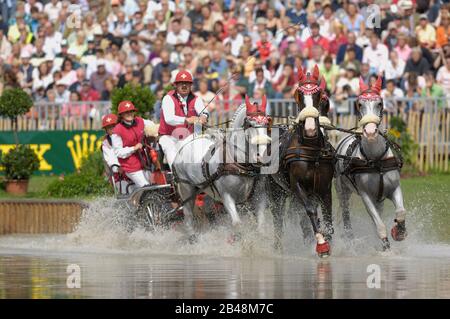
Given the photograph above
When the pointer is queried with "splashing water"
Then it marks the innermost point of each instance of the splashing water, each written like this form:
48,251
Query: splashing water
105,228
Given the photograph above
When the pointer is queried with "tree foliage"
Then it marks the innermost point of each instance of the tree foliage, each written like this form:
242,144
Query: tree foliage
142,98
15,102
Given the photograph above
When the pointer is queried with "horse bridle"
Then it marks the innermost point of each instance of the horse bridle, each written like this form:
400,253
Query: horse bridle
310,91
371,95
261,119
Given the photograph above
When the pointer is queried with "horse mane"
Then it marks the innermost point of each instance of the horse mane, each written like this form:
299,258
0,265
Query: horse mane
237,121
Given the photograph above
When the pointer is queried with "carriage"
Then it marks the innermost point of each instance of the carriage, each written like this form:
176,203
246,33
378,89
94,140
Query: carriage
150,206
154,206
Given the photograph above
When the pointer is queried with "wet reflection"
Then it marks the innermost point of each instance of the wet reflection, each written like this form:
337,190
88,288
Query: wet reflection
123,276
324,280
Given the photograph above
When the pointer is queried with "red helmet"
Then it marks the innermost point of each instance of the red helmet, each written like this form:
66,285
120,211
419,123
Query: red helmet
183,76
109,119
126,106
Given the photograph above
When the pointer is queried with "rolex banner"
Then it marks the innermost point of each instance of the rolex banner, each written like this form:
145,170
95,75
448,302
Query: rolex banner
58,151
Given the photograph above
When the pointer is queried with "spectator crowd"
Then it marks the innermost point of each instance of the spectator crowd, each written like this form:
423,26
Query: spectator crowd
69,51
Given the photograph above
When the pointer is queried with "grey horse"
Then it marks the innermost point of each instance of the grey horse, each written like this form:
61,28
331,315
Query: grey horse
225,167
369,165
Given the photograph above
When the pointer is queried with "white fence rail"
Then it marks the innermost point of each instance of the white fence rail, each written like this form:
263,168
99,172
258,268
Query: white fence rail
428,121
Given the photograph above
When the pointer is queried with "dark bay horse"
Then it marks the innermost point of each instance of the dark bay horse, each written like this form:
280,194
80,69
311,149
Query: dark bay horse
307,162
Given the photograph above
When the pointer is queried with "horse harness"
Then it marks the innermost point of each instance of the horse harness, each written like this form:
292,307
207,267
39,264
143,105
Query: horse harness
306,151
355,165
223,169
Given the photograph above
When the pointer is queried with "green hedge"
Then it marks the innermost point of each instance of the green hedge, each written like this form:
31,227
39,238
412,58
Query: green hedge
89,181
79,185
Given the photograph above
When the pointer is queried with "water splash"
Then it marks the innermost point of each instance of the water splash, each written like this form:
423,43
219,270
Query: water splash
105,228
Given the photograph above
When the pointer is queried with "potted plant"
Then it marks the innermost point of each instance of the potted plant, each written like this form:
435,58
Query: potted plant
19,164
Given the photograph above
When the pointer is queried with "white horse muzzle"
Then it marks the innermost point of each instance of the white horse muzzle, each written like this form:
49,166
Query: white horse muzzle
308,115
310,126
370,131
369,124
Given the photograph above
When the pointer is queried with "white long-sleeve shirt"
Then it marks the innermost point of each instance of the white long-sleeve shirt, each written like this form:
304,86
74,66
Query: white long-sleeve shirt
236,44
394,72
168,109
108,154
182,36
377,58
119,150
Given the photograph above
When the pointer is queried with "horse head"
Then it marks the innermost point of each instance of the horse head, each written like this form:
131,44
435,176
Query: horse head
370,108
257,126
309,96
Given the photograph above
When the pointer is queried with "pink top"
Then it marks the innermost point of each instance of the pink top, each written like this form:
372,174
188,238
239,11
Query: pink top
75,109
403,53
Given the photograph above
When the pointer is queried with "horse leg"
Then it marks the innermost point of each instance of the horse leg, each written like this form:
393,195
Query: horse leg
277,206
380,207
322,246
230,207
374,214
327,213
186,191
260,203
305,225
398,232
344,193
278,225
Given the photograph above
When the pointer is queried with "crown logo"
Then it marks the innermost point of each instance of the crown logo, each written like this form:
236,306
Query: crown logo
80,148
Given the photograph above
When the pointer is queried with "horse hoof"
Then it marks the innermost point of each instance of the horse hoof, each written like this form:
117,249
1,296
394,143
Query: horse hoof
323,250
398,232
386,244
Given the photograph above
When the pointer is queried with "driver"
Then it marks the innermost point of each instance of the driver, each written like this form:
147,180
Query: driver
180,110
127,140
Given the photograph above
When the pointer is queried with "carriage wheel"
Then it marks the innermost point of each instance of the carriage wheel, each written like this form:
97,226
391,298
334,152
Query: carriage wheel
154,210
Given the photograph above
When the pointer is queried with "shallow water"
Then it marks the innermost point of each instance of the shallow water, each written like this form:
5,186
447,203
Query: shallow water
114,263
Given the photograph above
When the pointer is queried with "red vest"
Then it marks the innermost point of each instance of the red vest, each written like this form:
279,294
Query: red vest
130,137
166,129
